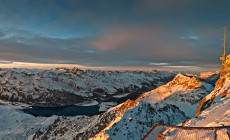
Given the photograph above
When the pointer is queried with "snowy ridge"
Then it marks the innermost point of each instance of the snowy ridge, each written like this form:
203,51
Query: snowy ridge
181,84
218,114
177,96
181,91
207,75
178,101
74,86
213,122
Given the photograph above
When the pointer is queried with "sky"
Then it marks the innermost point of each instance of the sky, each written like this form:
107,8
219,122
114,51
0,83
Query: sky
142,33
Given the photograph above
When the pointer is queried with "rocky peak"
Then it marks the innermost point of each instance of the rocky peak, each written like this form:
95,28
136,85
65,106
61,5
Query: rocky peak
187,82
181,84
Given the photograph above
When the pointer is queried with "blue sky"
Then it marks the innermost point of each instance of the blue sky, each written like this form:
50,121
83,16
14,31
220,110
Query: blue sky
114,32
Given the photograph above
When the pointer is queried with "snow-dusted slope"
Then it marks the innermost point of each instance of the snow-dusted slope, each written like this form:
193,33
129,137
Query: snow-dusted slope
86,127
176,102
218,114
73,86
213,122
183,91
16,125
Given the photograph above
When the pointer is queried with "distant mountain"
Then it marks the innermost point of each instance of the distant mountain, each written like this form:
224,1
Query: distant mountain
172,103
209,77
64,86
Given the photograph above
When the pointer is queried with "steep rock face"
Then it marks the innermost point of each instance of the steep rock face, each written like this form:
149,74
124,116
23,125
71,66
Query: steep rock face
176,102
64,87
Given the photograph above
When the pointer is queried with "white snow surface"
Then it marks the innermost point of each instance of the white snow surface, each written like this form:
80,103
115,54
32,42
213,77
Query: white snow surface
16,125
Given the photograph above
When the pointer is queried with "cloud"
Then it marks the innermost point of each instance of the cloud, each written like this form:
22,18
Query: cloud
113,32
5,62
149,40
185,68
158,64
17,45
191,37
91,51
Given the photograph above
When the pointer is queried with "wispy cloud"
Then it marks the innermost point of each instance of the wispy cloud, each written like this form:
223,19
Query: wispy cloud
5,62
159,64
191,37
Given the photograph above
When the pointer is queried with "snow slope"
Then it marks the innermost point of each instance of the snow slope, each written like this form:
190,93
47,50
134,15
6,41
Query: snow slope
16,125
218,114
168,132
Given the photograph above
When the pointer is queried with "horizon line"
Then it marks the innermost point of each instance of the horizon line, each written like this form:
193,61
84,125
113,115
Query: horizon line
29,65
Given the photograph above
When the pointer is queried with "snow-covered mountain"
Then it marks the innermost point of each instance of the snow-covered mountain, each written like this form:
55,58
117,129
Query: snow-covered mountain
168,111
209,77
213,122
63,86
176,102
172,103
218,112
